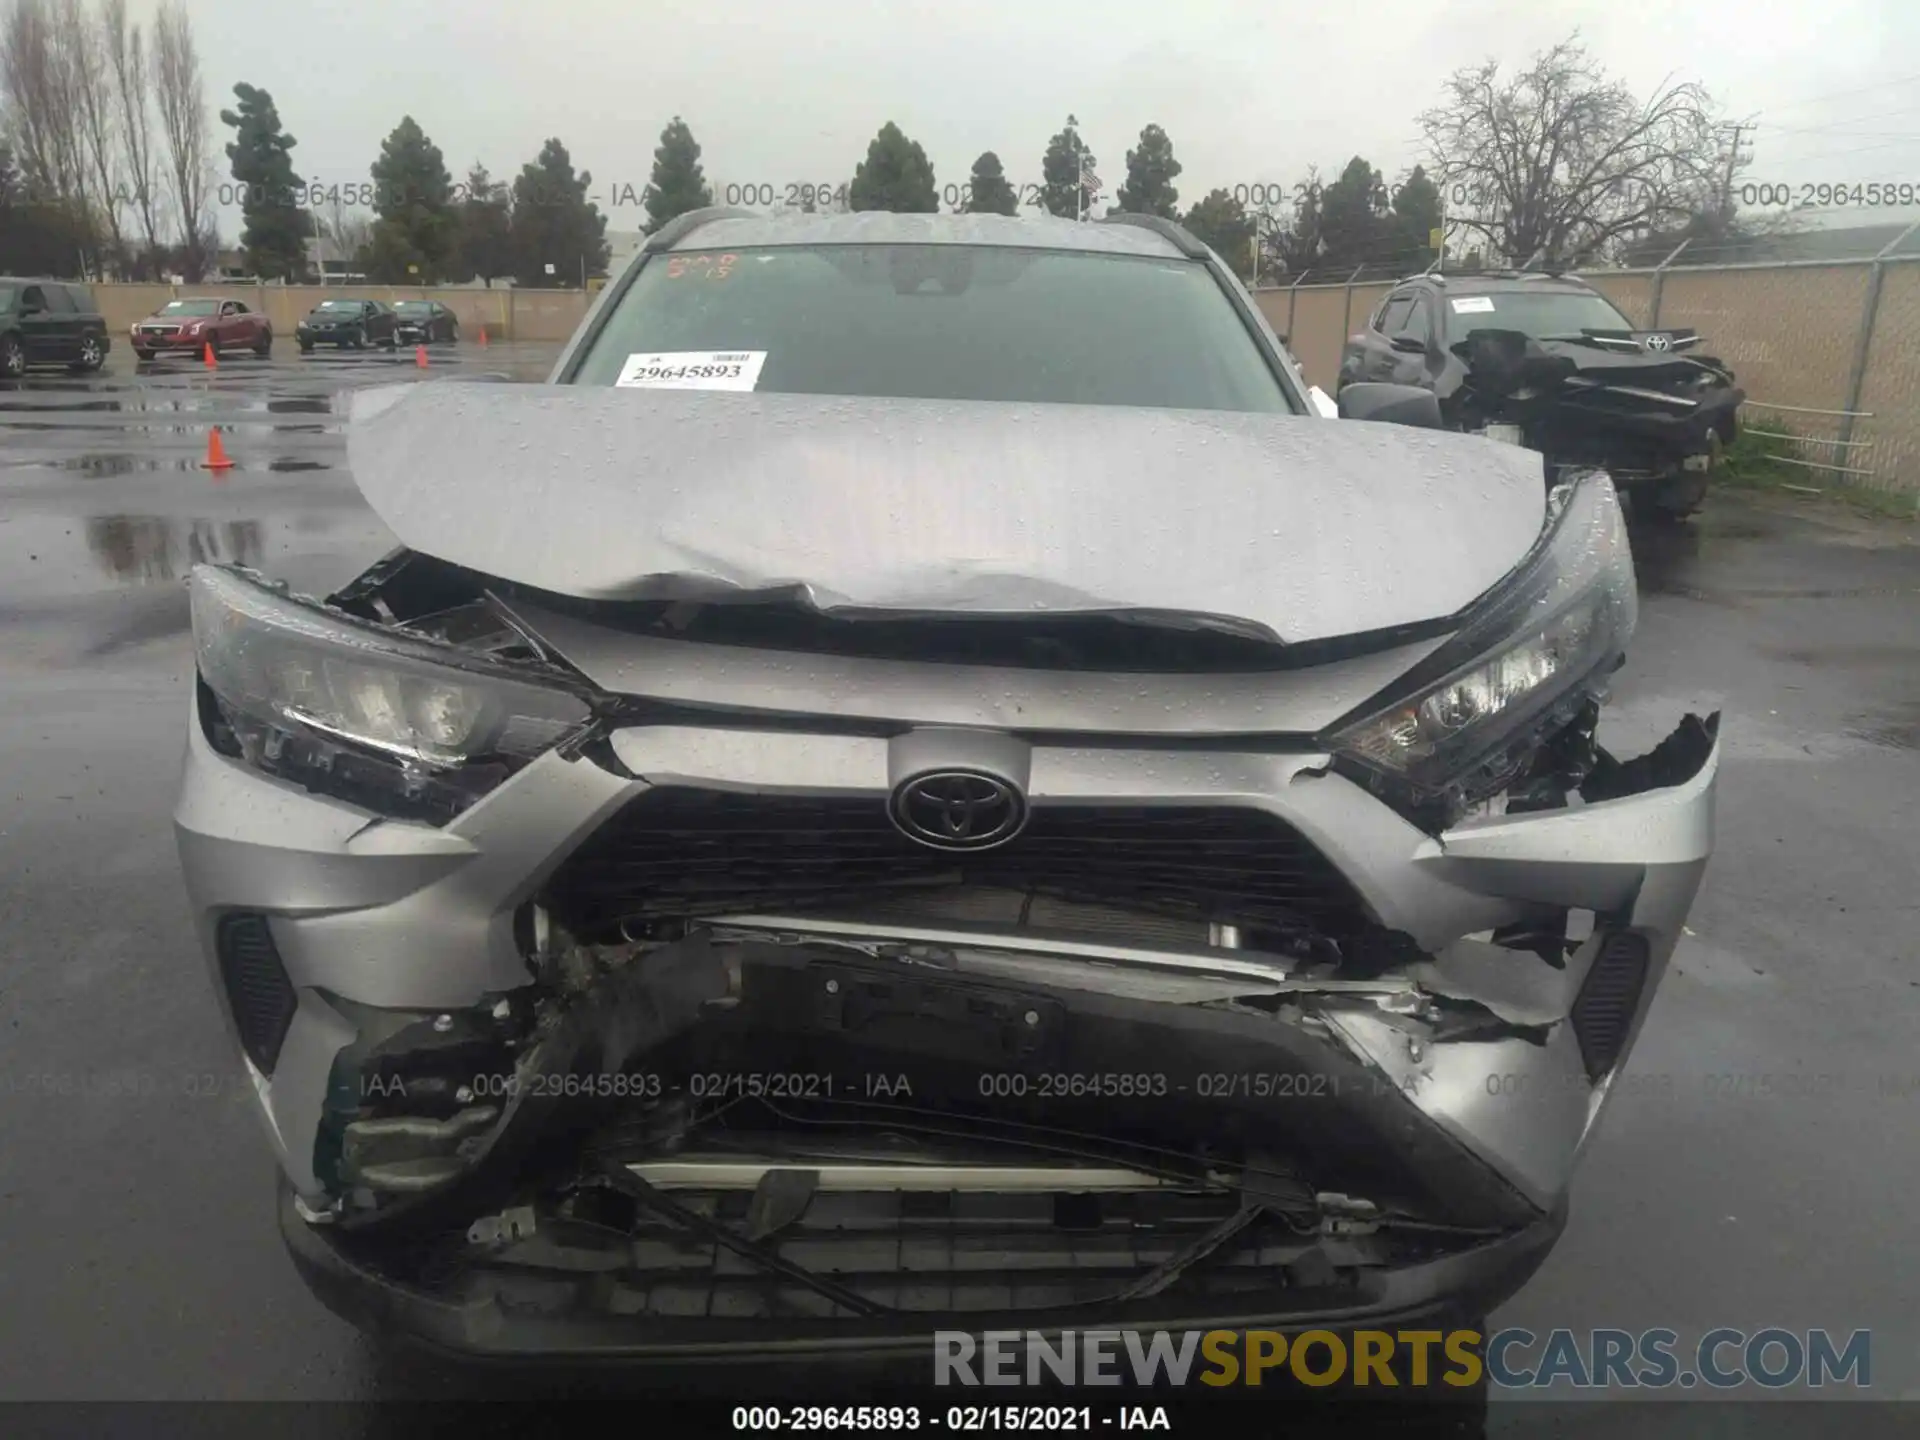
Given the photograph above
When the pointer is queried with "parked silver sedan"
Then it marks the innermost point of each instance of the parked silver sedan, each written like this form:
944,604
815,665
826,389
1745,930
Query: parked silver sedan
919,783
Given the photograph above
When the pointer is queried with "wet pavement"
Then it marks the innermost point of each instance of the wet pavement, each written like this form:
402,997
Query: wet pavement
1757,1170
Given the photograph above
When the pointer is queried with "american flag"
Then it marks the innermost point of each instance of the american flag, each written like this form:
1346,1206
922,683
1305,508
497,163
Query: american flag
1090,182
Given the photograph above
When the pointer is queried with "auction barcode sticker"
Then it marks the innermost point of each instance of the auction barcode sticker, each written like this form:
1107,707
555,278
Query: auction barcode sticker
693,370
1473,305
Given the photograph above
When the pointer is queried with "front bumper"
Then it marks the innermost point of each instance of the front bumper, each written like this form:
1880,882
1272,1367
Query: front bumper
1456,1289
381,918
168,342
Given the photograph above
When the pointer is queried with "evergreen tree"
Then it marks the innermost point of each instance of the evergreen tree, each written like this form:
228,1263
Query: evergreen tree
414,239
1150,170
1416,215
277,224
1060,171
988,191
896,175
553,223
1222,222
678,184
1353,218
485,247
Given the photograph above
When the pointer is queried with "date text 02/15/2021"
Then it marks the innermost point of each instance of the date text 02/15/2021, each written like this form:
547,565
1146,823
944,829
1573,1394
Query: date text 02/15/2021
1280,1087
962,1419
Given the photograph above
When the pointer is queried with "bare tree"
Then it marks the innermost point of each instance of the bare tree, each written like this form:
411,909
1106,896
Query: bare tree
349,232
127,59
36,83
1558,161
183,120
94,115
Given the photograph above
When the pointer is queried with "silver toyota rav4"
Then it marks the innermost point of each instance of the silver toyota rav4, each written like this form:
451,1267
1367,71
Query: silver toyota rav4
920,783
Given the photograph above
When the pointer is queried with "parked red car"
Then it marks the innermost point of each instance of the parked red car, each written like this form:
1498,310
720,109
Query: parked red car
192,325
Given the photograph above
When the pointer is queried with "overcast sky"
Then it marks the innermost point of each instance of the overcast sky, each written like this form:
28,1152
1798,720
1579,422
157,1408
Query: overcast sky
1251,91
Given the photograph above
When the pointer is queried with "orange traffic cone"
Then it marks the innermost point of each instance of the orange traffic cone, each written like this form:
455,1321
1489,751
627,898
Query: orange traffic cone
216,453
483,337
207,354
420,356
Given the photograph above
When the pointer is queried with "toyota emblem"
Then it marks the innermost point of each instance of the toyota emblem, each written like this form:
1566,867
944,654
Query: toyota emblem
958,810
1659,342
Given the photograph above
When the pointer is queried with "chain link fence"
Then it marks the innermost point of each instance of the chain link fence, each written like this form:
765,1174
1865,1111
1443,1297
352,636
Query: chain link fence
1828,350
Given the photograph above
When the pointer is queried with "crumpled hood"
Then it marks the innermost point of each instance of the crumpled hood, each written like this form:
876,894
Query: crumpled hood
1292,527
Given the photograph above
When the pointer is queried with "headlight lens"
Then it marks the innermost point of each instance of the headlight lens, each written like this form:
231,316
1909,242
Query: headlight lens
1540,646
341,706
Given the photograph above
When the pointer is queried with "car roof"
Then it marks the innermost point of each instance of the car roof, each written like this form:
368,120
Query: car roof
1505,284
886,227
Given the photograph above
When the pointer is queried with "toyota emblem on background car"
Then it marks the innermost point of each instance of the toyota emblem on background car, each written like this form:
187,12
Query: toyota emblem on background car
1659,342
958,809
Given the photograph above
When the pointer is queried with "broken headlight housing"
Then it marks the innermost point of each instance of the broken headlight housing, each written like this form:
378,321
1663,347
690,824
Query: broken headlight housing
1529,657
400,725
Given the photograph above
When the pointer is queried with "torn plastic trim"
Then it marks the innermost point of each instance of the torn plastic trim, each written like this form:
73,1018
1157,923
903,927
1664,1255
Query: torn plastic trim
1673,762
622,1016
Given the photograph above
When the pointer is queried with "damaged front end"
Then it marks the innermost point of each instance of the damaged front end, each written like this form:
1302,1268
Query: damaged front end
1642,406
611,1021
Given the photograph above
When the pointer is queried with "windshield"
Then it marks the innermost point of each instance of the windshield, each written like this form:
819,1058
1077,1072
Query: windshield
413,307
1538,313
191,307
946,322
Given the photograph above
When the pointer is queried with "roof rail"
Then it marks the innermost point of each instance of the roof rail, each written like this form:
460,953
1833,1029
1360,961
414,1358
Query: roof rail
1177,234
680,226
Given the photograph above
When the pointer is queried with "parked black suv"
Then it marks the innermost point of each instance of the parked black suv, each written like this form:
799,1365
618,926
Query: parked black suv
1549,362
49,322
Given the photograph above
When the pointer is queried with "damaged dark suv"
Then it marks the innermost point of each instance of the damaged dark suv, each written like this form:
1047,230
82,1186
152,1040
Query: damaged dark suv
919,784
1548,362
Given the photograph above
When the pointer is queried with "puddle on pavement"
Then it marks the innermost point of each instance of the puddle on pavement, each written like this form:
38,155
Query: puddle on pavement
12,402
111,464
155,549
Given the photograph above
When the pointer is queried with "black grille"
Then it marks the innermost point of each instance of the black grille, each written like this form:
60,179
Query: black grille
257,987
1609,996
676,851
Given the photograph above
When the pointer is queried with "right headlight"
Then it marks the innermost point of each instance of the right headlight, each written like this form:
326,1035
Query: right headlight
1529,657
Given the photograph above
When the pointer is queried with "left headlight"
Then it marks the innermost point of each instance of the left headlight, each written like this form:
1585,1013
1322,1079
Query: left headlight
1527,658
398,724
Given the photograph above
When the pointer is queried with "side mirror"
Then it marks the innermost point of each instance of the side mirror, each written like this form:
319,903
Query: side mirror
1408,344
1393,404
